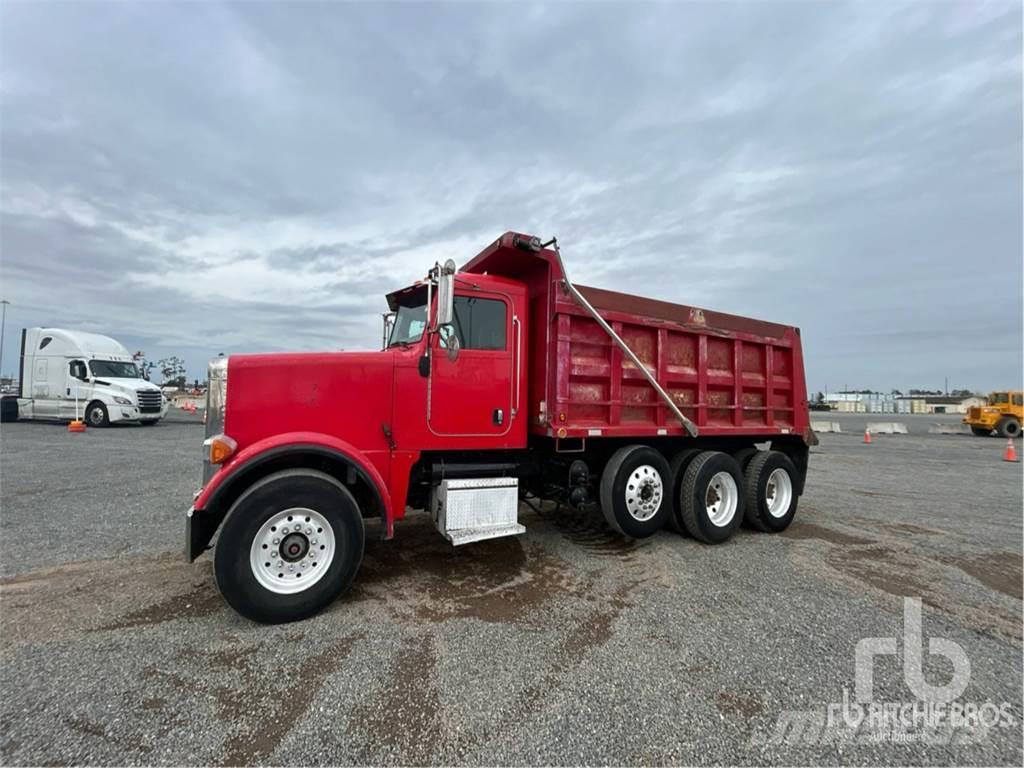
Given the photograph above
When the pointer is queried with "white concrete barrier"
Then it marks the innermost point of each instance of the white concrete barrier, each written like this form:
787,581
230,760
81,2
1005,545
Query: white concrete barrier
887,428
949,429
826,426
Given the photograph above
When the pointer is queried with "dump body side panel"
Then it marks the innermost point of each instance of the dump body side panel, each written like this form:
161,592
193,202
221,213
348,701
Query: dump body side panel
731,375
727,382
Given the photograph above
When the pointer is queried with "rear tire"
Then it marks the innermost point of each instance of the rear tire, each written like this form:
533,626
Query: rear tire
770,490
711,497
327,525
677,468
635,488
96,414
743,457
981,431
1008,427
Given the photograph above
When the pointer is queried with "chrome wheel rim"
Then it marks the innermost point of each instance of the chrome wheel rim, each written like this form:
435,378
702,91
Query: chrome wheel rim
96,416
644,491
721,499
778,493
292,551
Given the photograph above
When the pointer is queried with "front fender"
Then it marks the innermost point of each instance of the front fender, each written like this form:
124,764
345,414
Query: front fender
221,486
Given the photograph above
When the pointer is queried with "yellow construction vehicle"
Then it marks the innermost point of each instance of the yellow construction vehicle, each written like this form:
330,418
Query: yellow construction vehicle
1003,413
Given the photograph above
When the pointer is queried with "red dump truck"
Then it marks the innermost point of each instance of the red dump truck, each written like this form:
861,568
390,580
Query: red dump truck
498,382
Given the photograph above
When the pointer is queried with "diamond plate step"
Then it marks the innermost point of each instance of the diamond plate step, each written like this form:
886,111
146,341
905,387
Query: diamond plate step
469,535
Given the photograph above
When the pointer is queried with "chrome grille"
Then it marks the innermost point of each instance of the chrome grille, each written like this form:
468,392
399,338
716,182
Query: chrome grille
216,401
150,401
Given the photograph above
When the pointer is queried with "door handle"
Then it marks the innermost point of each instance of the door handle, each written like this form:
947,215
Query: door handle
498,416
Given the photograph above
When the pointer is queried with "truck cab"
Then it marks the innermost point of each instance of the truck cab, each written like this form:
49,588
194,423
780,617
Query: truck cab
1002,412
67,375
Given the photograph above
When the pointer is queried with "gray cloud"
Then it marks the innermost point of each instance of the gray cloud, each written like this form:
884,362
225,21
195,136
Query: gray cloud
198,178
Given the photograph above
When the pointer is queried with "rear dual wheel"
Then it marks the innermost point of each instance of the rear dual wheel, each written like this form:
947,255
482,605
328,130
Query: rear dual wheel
717,492
711,499
770,492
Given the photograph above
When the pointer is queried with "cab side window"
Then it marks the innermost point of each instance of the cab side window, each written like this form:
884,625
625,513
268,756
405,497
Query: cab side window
1018,399
480,323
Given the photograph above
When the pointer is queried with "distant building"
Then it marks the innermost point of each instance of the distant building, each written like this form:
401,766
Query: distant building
876,402
951,403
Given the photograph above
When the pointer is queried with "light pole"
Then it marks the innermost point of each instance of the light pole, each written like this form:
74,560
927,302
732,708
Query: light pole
3,327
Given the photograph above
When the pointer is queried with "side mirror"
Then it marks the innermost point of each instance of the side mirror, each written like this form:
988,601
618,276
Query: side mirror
450,341
446,293
389,322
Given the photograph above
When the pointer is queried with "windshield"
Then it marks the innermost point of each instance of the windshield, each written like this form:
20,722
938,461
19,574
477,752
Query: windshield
114,370
409,322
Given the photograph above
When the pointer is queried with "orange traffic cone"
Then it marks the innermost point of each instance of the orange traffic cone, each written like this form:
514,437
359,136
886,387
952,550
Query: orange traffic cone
867,436
1011,452
76,426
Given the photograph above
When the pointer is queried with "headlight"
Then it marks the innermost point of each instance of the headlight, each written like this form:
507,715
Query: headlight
122,400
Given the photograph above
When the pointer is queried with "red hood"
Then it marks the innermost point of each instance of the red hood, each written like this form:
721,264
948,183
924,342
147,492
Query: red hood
345,394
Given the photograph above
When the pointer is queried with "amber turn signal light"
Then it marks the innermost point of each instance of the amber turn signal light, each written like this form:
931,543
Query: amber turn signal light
220,447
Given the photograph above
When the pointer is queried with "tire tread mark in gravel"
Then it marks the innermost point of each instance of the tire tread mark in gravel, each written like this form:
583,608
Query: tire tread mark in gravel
589,531
403,715
257,742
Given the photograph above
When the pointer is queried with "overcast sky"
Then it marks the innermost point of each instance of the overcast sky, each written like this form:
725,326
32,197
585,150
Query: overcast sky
198,178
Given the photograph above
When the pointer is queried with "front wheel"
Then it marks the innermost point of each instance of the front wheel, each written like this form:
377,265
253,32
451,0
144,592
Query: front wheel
290,545
96,415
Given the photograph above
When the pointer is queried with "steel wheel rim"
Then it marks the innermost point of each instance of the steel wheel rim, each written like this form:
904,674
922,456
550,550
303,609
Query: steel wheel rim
778,492
644,492
310,543
96,416
721,499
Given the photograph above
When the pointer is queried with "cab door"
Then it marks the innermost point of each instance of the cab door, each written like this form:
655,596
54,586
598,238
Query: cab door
471,396
76,390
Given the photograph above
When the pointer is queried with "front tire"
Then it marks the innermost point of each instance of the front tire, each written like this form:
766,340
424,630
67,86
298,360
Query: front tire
1008,427
292,525
770,487
96,415
710,497
635,486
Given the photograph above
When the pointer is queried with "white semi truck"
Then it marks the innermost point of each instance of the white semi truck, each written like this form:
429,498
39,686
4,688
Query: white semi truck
66,375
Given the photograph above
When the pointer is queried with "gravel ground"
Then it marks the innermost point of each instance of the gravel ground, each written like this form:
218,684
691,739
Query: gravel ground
567,645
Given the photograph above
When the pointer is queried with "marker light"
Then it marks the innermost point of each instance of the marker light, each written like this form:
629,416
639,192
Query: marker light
220,447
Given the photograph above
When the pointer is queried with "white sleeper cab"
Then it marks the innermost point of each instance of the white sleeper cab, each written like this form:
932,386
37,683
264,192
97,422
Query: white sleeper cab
71,374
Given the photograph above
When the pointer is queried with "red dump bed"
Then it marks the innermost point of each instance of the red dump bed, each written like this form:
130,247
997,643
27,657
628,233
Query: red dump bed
730,375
